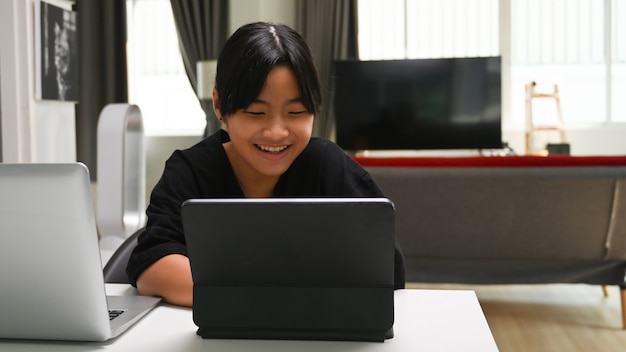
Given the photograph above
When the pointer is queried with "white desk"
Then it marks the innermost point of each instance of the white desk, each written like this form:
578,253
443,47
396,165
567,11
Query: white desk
425,320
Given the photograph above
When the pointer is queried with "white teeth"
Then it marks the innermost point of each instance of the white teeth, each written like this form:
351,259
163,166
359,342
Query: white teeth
271,149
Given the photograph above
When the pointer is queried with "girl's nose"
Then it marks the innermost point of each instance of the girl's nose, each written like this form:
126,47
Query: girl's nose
277,127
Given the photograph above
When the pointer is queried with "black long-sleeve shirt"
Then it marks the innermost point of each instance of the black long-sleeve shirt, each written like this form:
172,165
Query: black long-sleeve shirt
204,171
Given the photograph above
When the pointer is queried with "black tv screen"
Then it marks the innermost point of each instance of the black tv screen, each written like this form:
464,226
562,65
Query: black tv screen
452,103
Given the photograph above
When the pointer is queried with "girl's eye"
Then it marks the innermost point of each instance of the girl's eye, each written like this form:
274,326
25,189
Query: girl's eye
254,113
296,113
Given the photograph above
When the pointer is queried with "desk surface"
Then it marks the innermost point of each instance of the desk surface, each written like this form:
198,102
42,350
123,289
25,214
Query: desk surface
425,320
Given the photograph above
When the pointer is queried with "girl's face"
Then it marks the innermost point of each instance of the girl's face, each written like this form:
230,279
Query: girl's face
269,134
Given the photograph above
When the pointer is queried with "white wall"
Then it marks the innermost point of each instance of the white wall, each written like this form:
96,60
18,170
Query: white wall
14,75
32,131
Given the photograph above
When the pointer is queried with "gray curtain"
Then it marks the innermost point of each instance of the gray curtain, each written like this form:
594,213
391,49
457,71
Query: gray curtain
330,28
203,27
101,26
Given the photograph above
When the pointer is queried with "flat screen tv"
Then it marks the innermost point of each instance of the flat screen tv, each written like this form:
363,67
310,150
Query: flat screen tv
452,103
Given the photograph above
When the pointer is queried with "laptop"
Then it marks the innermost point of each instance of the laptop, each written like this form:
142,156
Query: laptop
51,278
288,268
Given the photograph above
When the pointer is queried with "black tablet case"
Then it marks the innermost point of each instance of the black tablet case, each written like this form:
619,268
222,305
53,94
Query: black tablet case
313,269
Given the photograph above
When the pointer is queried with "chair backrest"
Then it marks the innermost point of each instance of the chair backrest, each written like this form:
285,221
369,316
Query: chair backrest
115,269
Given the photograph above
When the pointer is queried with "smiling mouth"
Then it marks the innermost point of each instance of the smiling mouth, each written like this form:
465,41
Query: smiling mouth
270,149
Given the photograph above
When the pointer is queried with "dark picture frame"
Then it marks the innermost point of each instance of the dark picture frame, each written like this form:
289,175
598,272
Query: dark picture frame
56,51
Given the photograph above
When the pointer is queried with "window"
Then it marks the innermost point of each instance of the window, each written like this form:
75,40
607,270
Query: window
158,83
562,42
618,56
411,29
578,44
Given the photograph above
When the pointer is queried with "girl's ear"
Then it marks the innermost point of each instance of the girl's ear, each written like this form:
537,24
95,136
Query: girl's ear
216,104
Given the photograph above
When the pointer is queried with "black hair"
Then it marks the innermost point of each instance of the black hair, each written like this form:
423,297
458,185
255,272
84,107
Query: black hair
251,53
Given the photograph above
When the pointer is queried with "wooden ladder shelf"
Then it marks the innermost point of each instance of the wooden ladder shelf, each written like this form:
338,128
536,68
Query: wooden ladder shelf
531,126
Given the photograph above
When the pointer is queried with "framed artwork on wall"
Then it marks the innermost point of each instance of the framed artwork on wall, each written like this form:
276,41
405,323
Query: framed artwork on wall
56,50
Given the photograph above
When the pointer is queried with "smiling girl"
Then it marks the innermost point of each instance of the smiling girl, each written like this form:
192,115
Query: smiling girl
266,95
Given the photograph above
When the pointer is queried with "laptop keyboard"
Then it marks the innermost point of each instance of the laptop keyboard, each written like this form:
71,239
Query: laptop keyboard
114,313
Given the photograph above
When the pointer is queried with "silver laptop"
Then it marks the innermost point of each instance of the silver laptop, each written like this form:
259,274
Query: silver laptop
292,268
51,281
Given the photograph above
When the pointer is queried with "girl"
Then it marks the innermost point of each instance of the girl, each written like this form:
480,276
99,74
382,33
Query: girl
266,95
